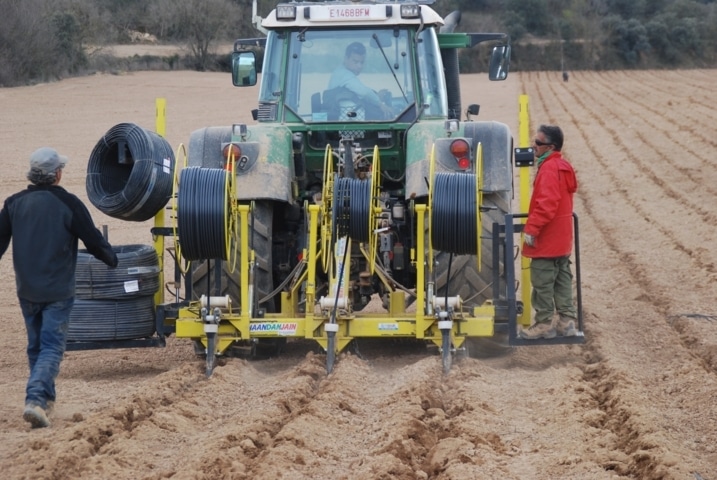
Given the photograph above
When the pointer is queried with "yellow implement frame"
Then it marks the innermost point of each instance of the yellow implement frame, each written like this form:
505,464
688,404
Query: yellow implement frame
312,324
291,323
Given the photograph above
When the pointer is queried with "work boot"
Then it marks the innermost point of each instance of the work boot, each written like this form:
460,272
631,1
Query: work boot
50,407
565,326
35,415
538,330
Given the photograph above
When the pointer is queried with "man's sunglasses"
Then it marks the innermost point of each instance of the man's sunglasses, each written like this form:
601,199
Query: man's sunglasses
540,144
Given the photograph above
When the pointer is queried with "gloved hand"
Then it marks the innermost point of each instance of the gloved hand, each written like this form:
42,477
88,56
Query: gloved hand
529,240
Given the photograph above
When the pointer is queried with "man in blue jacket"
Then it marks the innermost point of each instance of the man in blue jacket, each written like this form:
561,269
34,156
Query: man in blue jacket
44,223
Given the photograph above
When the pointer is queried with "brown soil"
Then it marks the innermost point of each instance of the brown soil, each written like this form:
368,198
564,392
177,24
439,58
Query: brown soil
637,401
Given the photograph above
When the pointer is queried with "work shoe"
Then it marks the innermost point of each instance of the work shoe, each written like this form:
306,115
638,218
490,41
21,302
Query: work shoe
50,407
565,326
35,415
538,330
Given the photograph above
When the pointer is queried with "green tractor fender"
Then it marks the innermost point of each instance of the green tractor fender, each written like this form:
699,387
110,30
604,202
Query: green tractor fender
496,141
264,167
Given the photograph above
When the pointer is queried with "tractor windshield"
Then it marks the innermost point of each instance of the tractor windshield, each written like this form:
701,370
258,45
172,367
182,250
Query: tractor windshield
349,75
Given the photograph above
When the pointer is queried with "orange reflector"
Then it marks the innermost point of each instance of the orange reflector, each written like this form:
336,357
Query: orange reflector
231,150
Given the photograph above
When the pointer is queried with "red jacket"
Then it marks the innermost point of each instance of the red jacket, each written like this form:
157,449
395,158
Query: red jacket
550,218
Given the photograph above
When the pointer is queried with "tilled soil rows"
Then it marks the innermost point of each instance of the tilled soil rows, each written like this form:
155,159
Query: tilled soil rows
638,400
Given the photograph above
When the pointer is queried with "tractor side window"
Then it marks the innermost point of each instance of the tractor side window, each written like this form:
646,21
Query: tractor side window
271,71
430,71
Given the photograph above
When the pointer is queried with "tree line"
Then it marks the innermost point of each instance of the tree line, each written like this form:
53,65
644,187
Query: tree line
41,40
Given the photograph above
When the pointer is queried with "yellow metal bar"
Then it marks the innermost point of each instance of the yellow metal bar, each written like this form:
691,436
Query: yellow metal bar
244,259
311,265
524,133
420,270
397,303
289,304
158,240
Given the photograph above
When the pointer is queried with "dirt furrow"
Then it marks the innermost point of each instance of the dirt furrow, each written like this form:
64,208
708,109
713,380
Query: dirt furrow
675,126
684,92
681,239
646,463
629,118
604,408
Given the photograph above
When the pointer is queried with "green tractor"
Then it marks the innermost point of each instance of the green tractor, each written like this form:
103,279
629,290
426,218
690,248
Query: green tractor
358,182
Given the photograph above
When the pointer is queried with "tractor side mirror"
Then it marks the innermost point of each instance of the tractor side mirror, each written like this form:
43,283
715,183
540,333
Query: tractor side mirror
499,63
243,69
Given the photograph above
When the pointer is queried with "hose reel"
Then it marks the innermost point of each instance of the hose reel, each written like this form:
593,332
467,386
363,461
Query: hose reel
454,198
206,221
350,208
455,214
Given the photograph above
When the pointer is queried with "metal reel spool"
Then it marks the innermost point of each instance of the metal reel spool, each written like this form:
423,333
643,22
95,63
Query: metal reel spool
455,214
231,219
479,200
327,195
431,183
206,218
455,217
180,163
374,209
468,195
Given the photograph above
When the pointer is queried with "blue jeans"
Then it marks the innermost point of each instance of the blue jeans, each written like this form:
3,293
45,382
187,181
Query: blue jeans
46,325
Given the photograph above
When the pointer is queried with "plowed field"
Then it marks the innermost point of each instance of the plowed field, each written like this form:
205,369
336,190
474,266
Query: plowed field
639,400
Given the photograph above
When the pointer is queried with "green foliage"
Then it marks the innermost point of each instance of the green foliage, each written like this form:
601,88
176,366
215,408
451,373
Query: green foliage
68,45
46,39
534,15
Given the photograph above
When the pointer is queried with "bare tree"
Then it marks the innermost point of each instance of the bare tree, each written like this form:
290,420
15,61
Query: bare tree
202,22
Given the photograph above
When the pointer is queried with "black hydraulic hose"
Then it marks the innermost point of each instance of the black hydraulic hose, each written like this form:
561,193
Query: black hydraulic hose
130,173
453,214
201,213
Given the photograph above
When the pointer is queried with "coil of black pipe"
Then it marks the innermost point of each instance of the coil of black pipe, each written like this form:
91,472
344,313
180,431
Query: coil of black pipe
107,320
453,214
352,208
137,274
202,210
130,173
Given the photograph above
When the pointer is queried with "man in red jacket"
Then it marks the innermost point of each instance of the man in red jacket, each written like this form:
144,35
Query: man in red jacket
549,238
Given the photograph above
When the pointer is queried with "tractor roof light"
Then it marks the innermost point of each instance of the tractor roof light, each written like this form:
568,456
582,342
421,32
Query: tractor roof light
410,11
461,150
286,12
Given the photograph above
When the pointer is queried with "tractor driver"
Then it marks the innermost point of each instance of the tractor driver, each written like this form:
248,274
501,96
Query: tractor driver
346,76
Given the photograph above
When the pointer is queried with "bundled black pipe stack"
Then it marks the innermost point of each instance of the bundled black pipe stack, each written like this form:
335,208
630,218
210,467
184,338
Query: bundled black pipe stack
115,304
130,173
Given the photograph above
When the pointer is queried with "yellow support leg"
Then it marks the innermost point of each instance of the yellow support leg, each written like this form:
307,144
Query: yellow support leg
524,133
421,324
